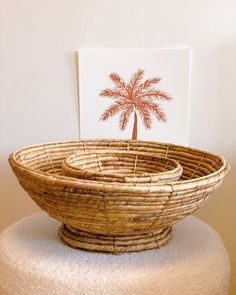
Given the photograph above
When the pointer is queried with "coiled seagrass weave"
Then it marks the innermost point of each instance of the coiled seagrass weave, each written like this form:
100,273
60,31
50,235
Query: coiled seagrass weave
119,166
110,216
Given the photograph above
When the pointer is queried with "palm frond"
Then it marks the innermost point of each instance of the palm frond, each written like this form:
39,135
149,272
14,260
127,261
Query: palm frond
156,110
144,114
113,93
135,79
124,117
112,110
154,93
118,81
147,84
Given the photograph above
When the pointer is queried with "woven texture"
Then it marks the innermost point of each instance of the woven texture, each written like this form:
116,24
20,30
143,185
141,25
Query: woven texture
116,210
118,166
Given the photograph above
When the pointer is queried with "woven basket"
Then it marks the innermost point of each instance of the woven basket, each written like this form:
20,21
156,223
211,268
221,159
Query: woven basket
119,166
116,217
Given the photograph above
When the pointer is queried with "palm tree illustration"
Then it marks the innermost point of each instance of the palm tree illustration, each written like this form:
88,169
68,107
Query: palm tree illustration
137,98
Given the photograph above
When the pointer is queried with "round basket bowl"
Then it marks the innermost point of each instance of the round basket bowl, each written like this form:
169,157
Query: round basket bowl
121,166
116,217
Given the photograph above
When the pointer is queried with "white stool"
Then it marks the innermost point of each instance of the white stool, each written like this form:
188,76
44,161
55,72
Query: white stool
34,261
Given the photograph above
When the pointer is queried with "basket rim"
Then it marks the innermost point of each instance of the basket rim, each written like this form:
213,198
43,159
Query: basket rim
157,187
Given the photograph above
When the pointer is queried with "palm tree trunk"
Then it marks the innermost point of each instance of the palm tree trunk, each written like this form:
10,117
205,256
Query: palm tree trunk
134,133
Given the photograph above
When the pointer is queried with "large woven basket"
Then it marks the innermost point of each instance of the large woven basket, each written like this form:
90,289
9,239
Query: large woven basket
116,217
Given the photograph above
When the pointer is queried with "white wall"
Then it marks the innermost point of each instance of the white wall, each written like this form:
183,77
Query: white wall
38,100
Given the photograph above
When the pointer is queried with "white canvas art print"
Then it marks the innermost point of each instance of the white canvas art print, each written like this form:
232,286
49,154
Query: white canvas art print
134,94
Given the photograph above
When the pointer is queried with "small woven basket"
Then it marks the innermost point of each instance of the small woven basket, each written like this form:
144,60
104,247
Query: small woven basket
116,217
119,166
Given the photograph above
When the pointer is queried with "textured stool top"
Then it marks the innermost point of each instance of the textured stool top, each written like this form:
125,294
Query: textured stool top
33,260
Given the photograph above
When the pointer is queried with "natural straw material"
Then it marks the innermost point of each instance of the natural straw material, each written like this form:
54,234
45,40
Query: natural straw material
116,245
116,211
120,166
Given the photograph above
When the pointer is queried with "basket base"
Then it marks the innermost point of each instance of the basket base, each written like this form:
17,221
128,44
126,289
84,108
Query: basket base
114,244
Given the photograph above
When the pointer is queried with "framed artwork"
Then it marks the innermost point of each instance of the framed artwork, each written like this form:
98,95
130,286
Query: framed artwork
134,94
